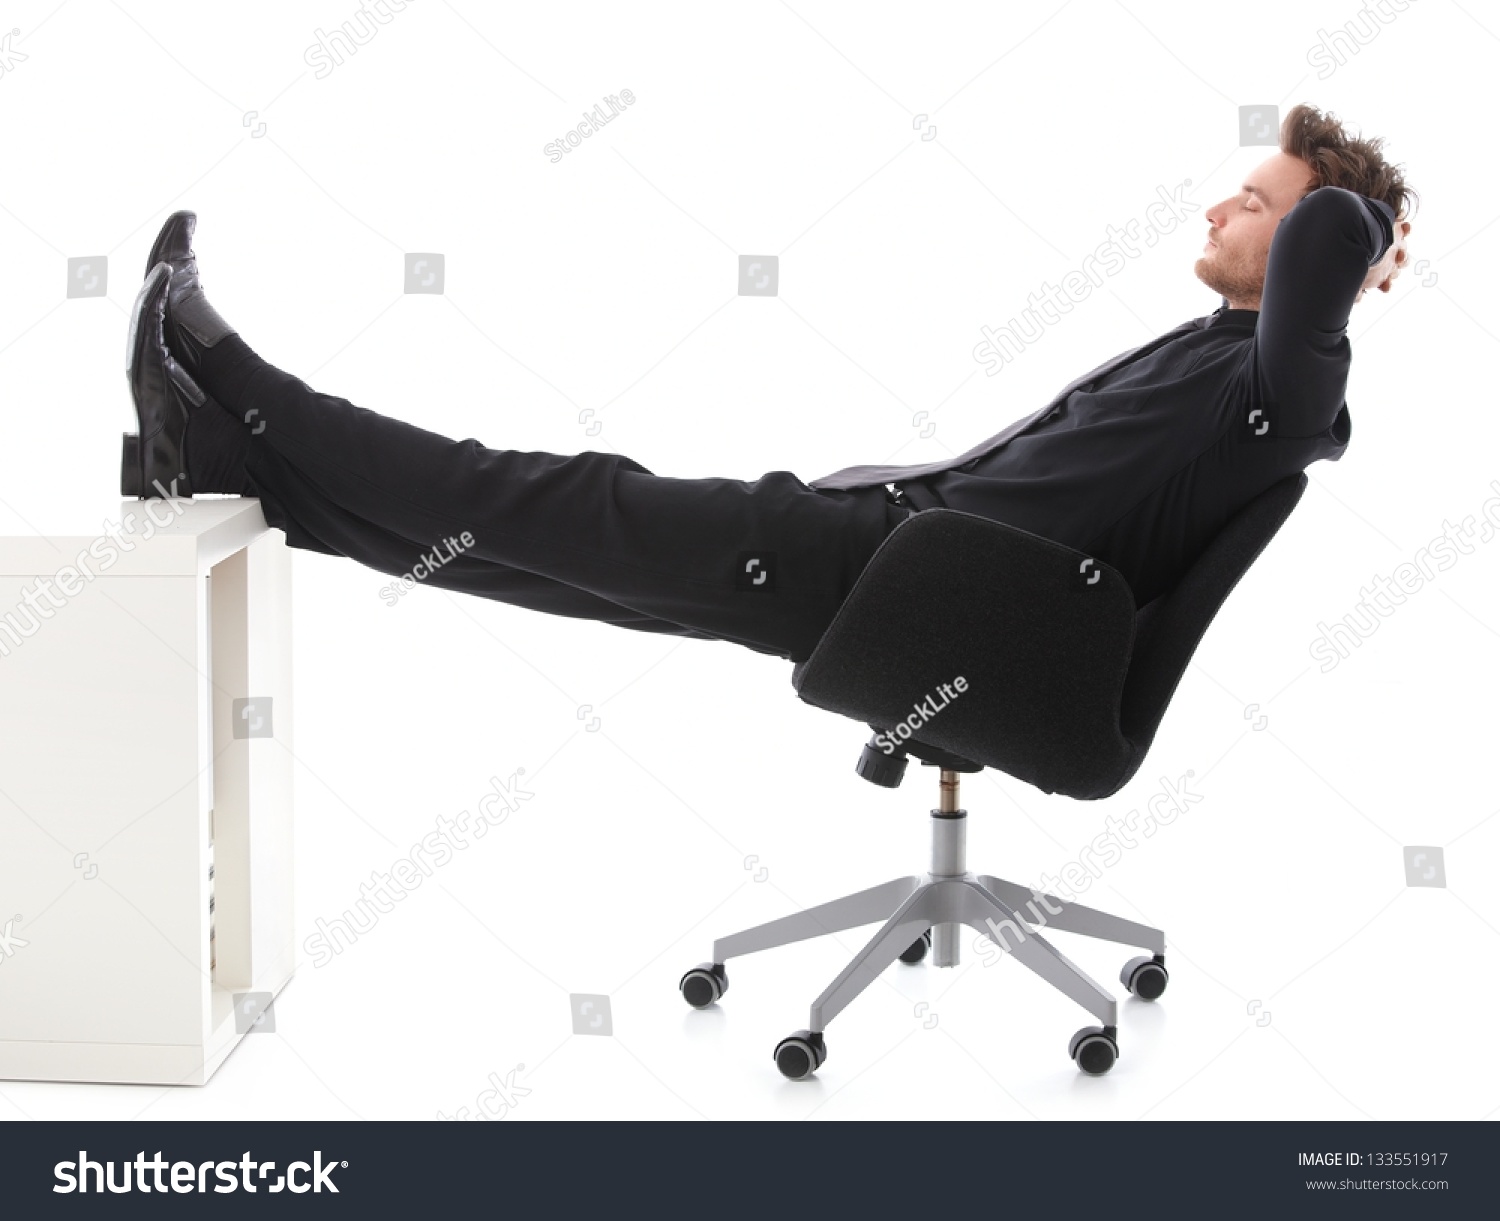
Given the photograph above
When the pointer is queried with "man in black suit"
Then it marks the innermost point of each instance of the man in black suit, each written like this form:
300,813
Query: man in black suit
1138,463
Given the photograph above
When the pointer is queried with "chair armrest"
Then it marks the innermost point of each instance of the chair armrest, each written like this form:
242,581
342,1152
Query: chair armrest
1039,633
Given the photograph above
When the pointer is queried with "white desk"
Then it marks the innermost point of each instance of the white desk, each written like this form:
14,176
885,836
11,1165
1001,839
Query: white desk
125,772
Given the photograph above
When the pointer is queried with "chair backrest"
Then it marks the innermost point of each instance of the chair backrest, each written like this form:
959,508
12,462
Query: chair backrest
1063,681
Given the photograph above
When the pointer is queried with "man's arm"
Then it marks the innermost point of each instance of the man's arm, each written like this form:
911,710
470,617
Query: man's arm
1323,250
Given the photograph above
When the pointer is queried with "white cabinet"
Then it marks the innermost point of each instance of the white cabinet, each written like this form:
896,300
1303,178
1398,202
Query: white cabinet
145,736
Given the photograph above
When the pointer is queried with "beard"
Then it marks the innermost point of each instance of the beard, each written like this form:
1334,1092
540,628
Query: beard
1237,279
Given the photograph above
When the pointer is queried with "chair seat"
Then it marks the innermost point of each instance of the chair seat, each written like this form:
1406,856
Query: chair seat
996,645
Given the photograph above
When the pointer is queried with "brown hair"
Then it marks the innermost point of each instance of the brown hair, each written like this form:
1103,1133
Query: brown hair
1341,160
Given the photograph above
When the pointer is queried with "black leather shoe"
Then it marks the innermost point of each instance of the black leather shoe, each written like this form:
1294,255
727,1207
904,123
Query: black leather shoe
174,240
151,462
192,324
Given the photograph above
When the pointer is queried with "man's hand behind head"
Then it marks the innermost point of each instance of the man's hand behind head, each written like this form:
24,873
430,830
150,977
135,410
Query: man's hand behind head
1389,267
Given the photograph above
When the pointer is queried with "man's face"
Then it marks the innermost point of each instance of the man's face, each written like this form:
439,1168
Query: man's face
1233,264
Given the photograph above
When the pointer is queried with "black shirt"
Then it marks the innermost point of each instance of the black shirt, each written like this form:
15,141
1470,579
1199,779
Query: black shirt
1142,467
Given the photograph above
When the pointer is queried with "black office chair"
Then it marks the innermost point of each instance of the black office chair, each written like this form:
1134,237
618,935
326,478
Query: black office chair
971,644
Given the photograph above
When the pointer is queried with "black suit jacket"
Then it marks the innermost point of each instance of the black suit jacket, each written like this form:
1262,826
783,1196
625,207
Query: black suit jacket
1141,461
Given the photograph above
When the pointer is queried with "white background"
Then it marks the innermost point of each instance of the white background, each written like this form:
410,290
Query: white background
606,283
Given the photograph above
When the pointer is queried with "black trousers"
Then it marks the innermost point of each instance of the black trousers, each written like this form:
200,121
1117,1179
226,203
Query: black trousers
763,563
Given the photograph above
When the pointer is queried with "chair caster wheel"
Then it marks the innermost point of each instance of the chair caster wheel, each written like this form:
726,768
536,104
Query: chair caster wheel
917,950
704,984
1145,977
800,1055
1095,1050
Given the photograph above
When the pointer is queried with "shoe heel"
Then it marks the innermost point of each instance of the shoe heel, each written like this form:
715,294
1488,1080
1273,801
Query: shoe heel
130,465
